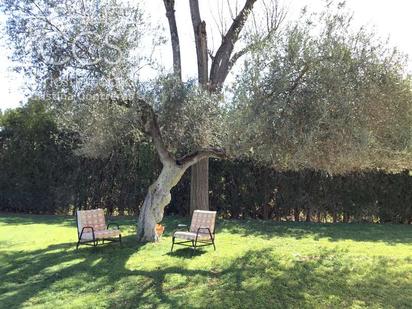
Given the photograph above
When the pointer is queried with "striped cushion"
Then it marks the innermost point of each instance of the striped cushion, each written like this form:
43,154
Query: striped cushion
190,235
100,234
94,218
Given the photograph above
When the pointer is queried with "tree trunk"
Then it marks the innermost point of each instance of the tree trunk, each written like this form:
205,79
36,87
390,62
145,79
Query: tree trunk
278,216
221,64
199,186
345,217
157,198
308,213
199,183
296,213
174,37
318,217
335,216
265,213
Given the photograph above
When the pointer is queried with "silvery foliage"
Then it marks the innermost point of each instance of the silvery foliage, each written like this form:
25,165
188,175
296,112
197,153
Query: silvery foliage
190,118
324,95
90,60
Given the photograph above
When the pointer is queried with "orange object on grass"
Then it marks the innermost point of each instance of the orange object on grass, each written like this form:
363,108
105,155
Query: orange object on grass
159,230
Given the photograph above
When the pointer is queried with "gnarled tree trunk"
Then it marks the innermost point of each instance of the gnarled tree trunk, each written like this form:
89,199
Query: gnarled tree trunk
157,198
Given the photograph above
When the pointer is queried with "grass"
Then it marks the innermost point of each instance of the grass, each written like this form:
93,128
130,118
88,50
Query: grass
257,265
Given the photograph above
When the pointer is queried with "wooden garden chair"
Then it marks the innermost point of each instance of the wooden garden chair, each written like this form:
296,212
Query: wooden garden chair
91,227
201,230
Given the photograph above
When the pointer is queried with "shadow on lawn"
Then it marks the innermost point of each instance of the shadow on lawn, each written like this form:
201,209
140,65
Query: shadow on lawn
327,279
257,279
388,233
186,253
94,268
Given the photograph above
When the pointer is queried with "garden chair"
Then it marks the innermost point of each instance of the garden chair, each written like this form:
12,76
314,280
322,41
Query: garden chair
91,227
201,230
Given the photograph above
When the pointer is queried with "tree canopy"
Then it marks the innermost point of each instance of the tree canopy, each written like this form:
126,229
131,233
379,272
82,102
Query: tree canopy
324,95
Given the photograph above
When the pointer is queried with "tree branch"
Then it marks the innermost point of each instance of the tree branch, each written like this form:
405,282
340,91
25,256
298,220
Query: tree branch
297,80
150,126
174,37
220,64
238,55
199,29
273,22
194,157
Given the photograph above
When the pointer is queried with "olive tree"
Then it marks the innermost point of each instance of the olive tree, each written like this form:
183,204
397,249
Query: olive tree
87,58
86,62
324,95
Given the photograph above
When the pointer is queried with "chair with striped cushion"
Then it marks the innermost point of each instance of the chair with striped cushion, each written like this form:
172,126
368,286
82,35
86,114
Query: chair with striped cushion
91,227
201,230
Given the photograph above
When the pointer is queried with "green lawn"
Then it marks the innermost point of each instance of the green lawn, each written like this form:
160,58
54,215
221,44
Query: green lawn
256,265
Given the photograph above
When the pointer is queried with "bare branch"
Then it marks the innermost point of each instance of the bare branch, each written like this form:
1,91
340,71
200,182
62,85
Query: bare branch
210,52
274,18
220,64
238,55
174,37
199,29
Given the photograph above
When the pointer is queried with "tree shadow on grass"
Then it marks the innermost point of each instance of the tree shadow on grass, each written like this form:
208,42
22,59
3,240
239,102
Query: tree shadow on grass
60,268
186,253
328,279
387,233
257,279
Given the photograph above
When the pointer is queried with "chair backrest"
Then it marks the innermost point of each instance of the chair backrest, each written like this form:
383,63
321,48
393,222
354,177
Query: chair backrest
94,218
203,218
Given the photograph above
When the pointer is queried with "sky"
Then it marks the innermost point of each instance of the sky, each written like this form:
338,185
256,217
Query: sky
388,18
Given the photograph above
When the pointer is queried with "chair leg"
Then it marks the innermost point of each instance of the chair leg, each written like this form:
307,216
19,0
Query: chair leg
213,242
194,243
173,243
77,245
120,239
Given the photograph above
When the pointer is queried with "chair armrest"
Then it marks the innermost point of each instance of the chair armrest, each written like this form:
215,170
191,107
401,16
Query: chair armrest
180,226
113,223
87,227
204,228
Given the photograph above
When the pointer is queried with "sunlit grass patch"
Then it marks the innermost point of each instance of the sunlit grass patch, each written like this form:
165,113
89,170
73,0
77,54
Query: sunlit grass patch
257,265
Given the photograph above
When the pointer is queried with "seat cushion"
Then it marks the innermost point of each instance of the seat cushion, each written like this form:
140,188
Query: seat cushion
190,235
100,234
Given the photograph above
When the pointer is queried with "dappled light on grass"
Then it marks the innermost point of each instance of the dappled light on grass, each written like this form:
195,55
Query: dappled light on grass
256,265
